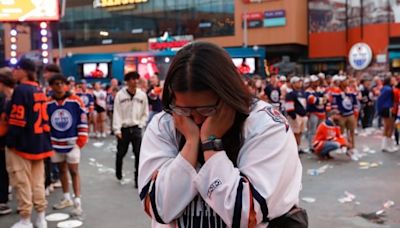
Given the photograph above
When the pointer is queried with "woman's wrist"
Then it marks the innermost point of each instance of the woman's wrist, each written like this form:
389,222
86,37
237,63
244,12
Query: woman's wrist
208,154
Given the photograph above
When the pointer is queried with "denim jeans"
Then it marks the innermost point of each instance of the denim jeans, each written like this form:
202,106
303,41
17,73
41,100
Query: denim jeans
328,147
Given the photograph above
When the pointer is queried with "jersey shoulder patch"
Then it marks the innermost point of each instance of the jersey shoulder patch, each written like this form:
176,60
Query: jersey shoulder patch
276,116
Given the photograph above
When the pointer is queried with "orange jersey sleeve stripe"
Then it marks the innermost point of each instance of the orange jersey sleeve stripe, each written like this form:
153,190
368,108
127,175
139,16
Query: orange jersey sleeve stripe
18,123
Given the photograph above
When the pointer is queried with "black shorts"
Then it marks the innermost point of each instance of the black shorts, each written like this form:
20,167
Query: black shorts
99,109
385,113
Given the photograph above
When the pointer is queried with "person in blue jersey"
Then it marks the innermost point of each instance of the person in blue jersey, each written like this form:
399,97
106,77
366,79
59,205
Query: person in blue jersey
272,92
296,105
28,143
110,106
69,134
384,106
345,101
316,107
216,156
88,100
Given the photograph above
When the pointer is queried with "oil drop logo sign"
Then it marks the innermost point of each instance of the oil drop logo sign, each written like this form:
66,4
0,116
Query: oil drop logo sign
360,56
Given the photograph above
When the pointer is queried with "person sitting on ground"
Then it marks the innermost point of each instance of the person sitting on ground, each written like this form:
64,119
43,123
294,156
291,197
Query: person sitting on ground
329,141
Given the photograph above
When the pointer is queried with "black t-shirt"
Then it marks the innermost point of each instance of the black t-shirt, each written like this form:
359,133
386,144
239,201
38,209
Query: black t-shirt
366,97
273,93
3,120
154,102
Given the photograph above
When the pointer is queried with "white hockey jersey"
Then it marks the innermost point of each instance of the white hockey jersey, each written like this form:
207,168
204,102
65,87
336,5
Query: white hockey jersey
130,110
264,185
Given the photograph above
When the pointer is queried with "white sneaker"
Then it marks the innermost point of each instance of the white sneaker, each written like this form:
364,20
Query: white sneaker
339,154
386,142
395,148
104,135
63,204
21,224
98,135
51,188
392,146
76,212
47,191
353,153
41,223
57,184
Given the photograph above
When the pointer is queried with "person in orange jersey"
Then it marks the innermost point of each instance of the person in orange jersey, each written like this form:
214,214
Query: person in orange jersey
329,141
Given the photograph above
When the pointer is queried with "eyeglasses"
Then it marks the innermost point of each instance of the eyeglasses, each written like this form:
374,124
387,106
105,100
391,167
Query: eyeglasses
207,110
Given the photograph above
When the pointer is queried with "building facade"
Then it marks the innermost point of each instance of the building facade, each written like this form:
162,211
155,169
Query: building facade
335,26
92,26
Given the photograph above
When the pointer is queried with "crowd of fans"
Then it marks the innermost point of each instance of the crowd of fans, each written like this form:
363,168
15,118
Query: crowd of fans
328,109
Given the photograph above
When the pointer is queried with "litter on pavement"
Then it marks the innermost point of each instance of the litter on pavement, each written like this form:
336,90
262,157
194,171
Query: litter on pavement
308,199
374,217
320,170
367,165
378,216
348,198
98,144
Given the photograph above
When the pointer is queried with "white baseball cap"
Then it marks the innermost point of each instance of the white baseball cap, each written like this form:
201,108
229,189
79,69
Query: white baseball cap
342,78
336,78
314,78
295,79
282,78
321,75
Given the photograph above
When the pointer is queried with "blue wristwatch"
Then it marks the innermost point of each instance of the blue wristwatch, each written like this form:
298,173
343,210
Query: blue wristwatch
212,143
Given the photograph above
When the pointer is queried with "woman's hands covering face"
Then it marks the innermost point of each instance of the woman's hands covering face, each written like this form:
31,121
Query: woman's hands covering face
219,123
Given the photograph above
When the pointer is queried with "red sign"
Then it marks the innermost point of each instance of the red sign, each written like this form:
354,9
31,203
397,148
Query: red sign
253,16
169,42
168,45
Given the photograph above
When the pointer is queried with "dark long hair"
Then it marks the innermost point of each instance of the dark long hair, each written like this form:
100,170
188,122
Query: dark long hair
202,66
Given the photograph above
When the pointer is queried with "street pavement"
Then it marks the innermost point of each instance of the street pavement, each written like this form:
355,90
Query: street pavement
365,185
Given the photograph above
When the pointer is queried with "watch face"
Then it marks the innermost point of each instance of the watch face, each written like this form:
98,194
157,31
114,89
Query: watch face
218,145
215,145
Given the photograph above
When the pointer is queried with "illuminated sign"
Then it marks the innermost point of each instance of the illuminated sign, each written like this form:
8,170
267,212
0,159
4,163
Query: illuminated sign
254,19
114,3
169,42
29,10
360,56
274,18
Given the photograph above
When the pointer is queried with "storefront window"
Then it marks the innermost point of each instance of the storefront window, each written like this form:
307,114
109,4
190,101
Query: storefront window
84,25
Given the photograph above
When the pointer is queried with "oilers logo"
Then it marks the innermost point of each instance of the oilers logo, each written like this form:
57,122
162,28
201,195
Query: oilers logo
276,116
85,100
275,96
61,120
347,104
